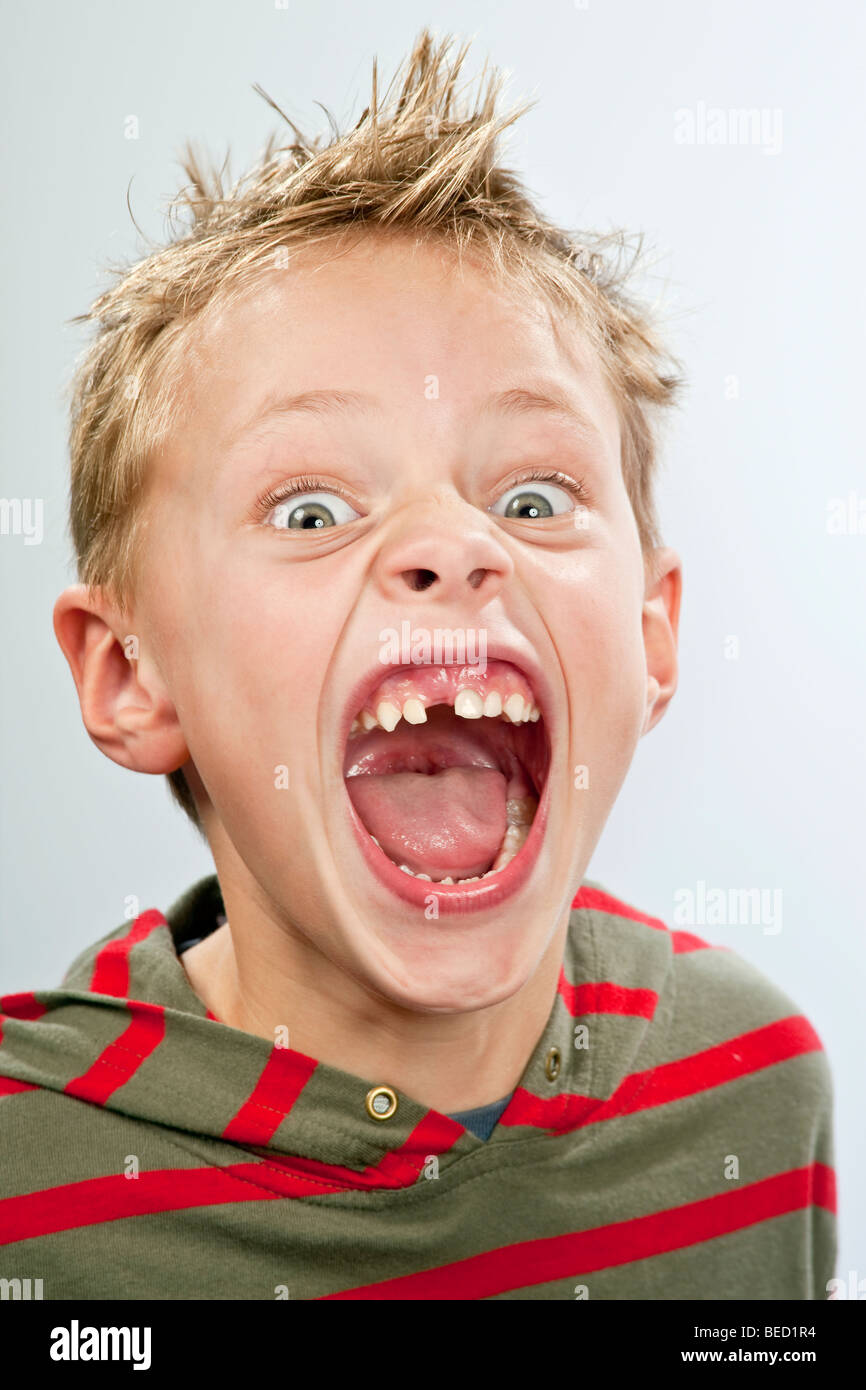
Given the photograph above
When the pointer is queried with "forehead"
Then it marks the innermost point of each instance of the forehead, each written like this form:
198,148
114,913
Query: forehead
386,312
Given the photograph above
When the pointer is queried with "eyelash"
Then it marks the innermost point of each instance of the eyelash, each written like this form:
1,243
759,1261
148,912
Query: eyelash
275,496
576,487
307,483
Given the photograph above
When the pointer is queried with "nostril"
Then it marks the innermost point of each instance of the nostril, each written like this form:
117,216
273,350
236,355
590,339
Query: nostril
418,580
476,579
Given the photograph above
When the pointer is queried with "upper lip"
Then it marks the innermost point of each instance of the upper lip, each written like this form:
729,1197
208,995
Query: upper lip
519,656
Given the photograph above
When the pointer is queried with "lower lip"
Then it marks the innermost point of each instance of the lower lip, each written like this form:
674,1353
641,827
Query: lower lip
456,898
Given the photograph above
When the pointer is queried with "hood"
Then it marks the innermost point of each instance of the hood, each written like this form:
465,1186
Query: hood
125,1032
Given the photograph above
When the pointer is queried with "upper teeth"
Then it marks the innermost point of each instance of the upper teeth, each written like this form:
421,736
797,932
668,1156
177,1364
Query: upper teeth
468,704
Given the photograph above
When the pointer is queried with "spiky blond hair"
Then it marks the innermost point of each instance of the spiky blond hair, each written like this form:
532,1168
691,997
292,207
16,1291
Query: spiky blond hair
418,161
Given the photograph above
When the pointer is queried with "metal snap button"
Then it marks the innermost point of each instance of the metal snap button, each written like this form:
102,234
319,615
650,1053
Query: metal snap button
381,1103
552,1064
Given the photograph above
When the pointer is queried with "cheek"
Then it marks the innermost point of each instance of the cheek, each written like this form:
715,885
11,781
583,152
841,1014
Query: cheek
246,656
600,641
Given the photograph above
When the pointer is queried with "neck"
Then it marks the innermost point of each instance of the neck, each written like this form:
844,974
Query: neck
260,976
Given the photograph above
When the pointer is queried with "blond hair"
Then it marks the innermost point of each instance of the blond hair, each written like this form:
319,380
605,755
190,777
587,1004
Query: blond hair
415,161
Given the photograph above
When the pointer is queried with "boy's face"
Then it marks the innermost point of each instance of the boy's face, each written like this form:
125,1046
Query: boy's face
268,618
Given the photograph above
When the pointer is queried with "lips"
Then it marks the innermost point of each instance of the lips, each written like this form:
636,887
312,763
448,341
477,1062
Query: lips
444,767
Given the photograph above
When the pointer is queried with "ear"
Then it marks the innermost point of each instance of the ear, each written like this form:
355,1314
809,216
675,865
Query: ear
124,704
661,617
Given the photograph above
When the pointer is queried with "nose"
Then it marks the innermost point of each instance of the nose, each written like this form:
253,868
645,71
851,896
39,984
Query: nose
446,562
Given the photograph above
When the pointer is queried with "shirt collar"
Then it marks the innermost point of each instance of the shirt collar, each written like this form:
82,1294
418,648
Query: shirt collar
129,998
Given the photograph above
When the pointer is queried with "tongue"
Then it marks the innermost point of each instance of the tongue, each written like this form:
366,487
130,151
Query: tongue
445,824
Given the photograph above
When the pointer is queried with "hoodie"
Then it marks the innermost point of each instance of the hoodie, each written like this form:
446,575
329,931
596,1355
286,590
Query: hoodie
669,1138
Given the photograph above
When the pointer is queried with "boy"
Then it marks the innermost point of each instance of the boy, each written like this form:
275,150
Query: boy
362,476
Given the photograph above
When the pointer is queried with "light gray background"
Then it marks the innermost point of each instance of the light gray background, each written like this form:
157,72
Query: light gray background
756,776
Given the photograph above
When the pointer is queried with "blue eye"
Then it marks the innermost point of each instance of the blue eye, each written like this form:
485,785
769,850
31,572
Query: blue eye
311,511
532,501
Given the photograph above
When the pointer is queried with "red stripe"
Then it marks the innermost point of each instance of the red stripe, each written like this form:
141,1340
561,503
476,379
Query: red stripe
112,1198
596,900
434,1135
573,1256
121,1059
285,1075
716,1066
686,941
22,1006
558,1114
606,998
97,1200
10,1087
671,1081
111,967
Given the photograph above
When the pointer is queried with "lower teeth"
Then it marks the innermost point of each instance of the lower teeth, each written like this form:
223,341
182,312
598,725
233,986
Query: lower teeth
519,814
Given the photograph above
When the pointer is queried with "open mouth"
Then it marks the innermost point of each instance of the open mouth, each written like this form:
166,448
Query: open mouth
445,767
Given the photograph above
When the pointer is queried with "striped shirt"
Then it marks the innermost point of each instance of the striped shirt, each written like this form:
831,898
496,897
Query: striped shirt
670,1138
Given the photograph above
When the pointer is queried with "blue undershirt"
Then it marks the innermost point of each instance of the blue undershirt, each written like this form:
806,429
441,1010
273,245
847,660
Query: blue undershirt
483,1119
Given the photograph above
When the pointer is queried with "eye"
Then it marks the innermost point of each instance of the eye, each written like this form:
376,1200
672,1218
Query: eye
533,500
310,511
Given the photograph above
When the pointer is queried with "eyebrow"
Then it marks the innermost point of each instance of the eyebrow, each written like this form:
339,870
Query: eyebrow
324,402
551,401
514,401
